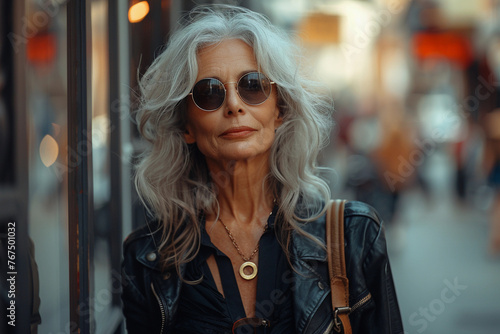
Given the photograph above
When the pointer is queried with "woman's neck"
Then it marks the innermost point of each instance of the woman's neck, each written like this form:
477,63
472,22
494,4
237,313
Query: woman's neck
241,191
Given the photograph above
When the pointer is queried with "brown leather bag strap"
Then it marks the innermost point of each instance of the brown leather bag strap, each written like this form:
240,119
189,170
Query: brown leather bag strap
336,266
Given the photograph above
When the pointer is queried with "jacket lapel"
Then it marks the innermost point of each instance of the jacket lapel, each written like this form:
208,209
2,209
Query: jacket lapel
311,286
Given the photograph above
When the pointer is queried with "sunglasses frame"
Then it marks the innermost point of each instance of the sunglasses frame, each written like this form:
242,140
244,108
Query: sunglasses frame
255,323
237,90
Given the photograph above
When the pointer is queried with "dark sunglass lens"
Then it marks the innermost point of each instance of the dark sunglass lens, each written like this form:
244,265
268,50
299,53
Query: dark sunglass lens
254,88
208,94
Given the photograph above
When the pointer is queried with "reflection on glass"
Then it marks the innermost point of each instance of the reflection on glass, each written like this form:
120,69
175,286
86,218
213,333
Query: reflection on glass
47,123
49,150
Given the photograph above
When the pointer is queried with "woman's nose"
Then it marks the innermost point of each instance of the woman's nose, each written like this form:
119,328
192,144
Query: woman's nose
234,104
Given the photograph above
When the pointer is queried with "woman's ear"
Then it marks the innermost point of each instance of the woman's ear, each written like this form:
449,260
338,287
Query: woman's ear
279,117
188,136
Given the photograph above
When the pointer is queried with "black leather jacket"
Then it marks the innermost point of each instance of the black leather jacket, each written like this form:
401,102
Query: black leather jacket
150,297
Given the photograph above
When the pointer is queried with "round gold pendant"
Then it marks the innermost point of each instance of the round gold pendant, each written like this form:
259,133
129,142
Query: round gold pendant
254,270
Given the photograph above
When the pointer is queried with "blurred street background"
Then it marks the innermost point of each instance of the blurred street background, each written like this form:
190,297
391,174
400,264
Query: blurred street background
447,282
416,88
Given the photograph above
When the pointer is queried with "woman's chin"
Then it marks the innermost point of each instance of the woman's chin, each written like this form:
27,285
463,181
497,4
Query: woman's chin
241,155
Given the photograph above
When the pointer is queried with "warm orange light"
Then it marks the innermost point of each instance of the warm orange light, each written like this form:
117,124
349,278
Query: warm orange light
320,28
49,150
41,49
449,46
138,11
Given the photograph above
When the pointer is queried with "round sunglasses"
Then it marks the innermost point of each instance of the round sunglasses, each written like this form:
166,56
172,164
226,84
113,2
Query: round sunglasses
253,88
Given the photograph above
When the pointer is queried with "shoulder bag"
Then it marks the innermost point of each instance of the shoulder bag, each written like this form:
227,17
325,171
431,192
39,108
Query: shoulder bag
336,266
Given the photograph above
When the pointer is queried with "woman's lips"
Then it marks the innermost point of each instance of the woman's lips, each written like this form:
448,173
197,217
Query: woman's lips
237,132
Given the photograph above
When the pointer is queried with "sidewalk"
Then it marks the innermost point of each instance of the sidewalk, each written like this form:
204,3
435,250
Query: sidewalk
445,279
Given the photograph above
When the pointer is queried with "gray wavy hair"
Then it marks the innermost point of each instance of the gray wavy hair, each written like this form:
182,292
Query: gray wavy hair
172,178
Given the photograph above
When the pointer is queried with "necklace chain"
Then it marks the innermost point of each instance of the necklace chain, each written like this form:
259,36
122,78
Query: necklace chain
236,245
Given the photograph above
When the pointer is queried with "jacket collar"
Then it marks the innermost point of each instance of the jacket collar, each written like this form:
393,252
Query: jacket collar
148,254
303,247
306,249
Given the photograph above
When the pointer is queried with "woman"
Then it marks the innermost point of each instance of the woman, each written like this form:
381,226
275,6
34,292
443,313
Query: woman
230,177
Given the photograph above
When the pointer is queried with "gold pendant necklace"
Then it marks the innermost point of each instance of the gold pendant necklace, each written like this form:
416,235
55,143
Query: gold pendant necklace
248,263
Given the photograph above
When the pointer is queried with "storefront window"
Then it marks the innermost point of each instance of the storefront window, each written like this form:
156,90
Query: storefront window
46,98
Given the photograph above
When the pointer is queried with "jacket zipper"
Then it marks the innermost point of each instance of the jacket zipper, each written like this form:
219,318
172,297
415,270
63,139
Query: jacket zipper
363,301
329,328
162,309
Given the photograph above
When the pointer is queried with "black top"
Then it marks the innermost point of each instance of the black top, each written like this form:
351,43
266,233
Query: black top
203,309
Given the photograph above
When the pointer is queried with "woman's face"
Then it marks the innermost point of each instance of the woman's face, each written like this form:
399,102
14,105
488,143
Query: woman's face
235,131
